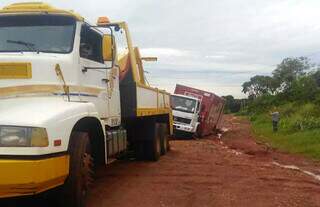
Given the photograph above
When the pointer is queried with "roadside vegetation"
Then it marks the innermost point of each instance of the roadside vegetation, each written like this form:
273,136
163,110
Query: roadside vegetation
293,89
298,130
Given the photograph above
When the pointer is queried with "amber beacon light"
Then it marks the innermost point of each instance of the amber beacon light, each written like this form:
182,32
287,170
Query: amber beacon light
103,21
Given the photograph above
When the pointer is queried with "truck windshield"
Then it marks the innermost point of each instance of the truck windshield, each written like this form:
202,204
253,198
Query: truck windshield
183,104
40,33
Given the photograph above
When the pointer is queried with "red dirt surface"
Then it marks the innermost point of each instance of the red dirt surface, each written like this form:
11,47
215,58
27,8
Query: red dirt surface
233,171
208,172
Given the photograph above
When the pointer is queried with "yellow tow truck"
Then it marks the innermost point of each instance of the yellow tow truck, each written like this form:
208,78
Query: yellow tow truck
71,98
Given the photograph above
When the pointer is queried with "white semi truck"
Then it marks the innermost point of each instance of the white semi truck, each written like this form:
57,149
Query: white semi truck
71,98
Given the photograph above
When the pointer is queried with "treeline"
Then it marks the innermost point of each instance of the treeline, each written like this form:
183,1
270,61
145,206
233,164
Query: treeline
233,105
294,80
293,89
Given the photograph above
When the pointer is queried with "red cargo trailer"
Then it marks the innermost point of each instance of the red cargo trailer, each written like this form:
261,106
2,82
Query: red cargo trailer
196,111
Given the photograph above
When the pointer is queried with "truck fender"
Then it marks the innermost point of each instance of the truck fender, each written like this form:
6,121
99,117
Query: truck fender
56,115
83,118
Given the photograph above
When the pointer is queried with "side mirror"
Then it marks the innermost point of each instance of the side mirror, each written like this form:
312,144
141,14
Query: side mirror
107,47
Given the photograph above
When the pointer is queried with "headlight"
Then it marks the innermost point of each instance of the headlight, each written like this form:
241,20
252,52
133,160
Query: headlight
11,136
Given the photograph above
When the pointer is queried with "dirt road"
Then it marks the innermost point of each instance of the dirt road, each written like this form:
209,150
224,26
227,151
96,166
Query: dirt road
208,172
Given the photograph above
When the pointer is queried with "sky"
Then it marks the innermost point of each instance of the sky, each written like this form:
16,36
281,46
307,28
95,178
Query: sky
209,44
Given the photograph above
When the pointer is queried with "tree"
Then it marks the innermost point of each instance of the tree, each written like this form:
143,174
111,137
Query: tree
290,69
294,80
259,85
232,105
302,89
316,76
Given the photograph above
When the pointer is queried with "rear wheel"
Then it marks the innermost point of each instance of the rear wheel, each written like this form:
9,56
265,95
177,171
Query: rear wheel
165,147
80,174
148,144
140,150
154,145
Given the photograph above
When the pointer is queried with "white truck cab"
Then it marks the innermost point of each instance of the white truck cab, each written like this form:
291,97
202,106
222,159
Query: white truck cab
186,111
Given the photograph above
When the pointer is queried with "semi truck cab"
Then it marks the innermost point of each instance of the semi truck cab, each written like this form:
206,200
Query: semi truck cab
70,101
196,111
186,114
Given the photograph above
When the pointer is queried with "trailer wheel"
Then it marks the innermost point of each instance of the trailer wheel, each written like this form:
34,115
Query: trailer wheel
168,137
80,174
165,147
154,145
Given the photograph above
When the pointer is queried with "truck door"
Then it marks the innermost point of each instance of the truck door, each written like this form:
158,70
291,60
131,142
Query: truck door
94,76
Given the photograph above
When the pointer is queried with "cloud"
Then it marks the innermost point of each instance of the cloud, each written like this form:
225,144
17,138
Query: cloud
215,57
164,52
218,44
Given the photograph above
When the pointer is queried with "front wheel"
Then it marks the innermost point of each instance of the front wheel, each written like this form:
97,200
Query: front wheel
80,175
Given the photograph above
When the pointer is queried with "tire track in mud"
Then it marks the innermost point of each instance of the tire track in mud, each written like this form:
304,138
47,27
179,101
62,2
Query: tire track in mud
208,172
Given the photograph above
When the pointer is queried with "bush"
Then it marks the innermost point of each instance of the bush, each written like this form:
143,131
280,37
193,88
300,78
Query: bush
317,99
303,89
263,103
299,129
287,110
294,117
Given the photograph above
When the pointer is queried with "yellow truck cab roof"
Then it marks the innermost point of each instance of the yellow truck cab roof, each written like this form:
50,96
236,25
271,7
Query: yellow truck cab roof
37,7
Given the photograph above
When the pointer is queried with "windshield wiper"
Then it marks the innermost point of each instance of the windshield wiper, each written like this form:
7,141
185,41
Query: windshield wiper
29,45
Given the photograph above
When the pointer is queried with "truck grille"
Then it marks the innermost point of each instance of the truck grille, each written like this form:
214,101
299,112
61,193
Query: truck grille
181,120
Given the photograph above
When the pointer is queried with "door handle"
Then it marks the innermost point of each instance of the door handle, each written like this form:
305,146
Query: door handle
105,80
85,69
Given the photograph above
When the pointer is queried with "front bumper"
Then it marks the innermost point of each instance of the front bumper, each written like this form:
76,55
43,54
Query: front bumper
185,128
28,177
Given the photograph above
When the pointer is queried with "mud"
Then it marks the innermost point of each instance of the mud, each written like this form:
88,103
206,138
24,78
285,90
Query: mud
231,171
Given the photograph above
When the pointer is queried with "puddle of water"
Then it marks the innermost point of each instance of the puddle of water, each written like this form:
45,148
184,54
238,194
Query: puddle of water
224,130
236,152
293,167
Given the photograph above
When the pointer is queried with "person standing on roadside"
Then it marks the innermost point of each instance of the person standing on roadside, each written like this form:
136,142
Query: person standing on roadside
275,120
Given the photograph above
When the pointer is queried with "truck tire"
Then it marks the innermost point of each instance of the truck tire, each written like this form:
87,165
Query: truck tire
154,145
140,150
80,173
168,136
164,137
198,133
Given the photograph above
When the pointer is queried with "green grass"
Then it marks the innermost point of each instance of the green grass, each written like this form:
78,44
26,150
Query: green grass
306,142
